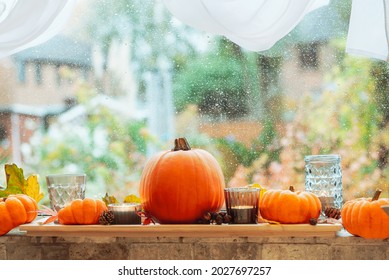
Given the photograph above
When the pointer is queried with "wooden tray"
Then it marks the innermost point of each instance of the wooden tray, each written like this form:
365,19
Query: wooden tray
187,230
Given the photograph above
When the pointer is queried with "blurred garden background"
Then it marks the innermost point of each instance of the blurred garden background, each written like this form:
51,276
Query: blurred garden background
125,78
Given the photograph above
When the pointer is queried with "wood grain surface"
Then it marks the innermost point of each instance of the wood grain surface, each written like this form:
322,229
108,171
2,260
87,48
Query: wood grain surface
182,230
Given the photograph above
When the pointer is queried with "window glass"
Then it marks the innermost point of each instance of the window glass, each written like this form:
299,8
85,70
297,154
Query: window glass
38,73
125,78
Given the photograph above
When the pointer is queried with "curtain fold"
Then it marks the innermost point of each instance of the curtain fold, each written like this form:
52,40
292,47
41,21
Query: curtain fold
368,29
253,24
25,24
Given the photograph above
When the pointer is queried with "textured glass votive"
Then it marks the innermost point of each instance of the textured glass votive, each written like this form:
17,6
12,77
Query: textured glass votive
125,213
323,177
64,188
242,204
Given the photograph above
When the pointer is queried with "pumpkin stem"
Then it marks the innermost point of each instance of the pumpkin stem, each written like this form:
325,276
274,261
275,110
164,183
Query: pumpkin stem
291,188
376,195
181,144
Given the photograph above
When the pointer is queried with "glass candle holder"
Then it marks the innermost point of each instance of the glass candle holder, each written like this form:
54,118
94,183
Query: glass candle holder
323,177
242,204
64,188
125,213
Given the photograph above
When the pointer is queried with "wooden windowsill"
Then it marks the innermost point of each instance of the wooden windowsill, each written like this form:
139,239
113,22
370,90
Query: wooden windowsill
182,230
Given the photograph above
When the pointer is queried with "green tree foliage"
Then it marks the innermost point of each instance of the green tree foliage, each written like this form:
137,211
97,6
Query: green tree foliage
218,82
215,84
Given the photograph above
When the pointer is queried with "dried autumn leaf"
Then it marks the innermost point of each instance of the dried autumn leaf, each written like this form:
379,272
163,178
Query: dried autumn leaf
146,217
148,221
47,211
109,199
14,182
262,220
50,220
53,214
32,188
17,184
258,186
132,199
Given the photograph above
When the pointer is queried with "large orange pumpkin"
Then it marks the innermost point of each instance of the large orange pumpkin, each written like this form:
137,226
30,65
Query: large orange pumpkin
365,217
178,186
82,212
16,210
289,206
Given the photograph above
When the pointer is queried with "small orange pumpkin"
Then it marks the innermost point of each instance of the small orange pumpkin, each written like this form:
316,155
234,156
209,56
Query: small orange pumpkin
364,217
178,186
82,212
16,210
289,207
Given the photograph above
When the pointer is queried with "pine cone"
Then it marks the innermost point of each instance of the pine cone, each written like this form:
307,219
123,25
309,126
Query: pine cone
219,219
332,212
227,219
106,218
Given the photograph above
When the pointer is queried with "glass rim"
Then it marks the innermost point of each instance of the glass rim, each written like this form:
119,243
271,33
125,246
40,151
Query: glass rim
327,158
124,206
242,189
66,175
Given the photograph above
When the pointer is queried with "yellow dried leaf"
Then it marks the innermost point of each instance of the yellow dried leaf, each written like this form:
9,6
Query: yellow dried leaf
17,184
262,220
32,188
132,199
258,186
109,199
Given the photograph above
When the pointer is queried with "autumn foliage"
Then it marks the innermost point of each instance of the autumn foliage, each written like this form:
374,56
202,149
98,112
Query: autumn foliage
345,119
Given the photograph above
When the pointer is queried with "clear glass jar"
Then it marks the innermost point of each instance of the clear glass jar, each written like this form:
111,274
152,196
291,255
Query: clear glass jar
323,177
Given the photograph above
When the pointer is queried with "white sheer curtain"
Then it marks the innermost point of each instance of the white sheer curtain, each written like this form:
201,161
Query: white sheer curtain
369,29
253,24
27,23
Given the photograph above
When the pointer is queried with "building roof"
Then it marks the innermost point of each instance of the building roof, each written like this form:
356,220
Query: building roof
59,50
116,105
38,111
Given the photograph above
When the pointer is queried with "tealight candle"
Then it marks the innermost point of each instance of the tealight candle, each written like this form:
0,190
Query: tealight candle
242,204
125,213
243,214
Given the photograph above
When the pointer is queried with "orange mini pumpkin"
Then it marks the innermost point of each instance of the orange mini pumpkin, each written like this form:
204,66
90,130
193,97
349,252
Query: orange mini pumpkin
365,217
289,207
178,186
16,210
82,212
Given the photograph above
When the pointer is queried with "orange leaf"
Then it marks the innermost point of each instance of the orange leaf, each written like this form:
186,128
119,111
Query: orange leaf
50,220
148,221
